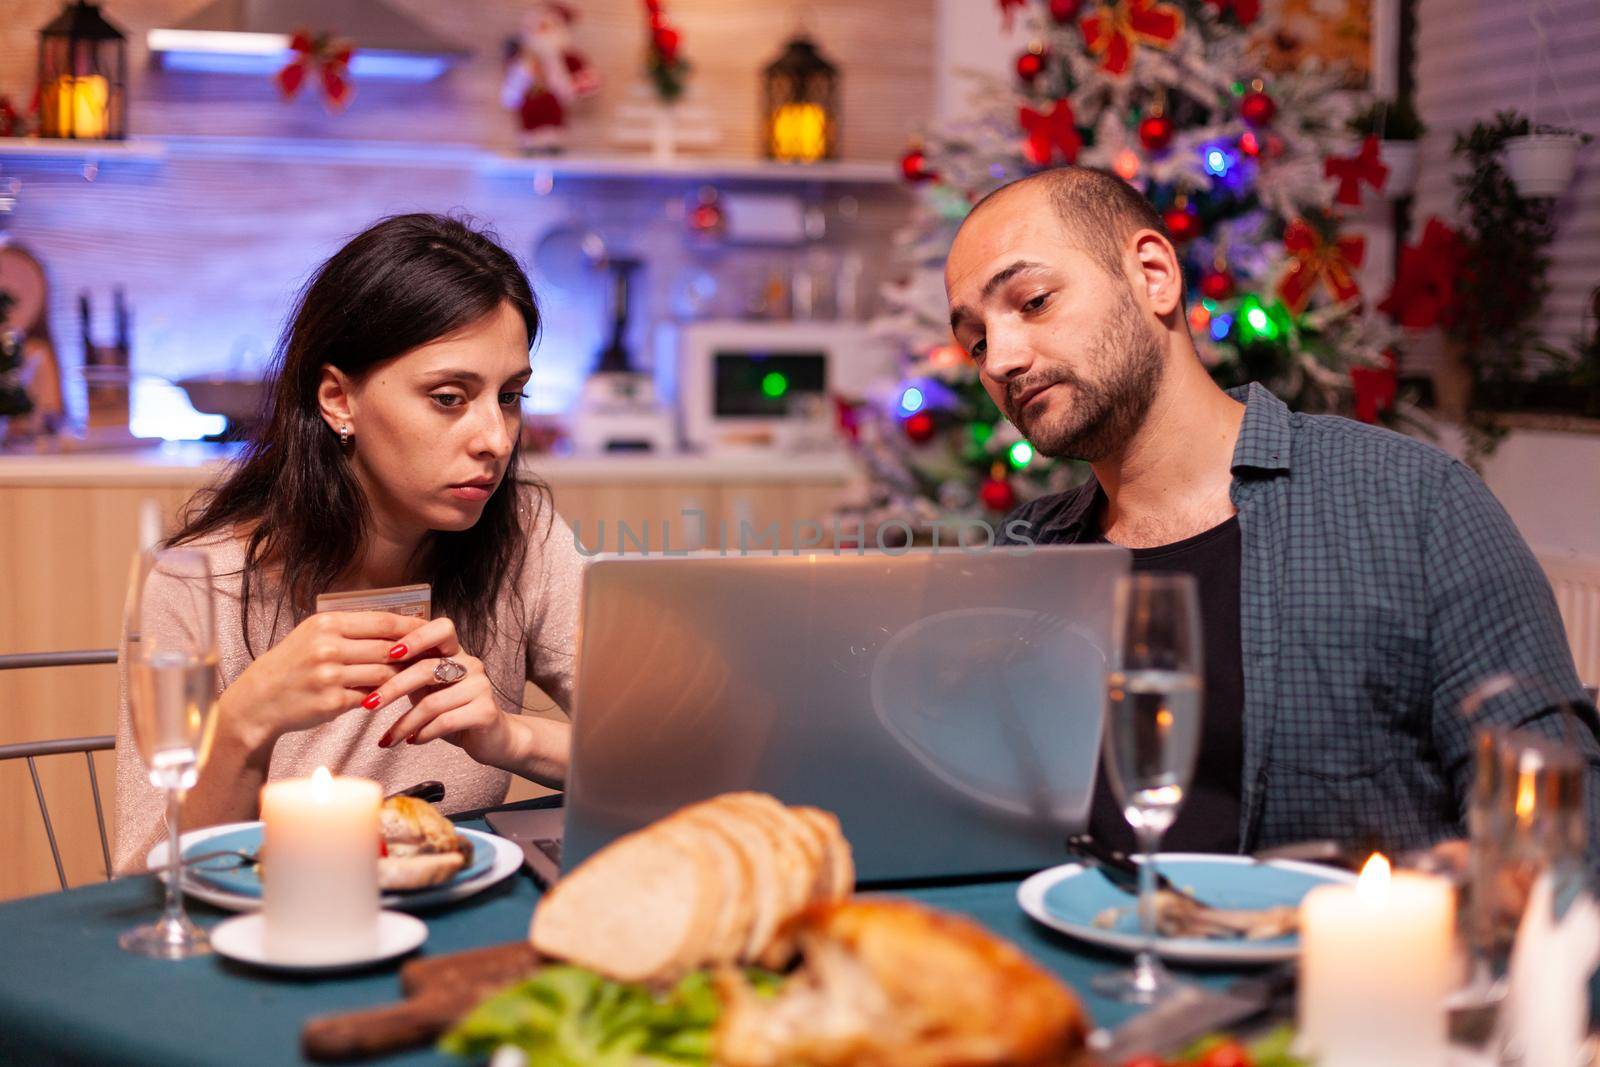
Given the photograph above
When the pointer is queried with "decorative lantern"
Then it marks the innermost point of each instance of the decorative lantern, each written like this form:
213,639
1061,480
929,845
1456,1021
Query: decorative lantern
83,62
802,104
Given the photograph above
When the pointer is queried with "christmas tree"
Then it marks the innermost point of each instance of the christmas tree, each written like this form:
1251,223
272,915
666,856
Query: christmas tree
1250,171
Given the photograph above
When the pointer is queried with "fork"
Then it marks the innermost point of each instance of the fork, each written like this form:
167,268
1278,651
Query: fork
1121,871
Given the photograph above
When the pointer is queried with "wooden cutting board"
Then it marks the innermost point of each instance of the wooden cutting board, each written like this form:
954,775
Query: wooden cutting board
439,990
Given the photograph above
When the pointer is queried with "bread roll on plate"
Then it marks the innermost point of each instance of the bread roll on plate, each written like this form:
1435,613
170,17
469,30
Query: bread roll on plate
421,847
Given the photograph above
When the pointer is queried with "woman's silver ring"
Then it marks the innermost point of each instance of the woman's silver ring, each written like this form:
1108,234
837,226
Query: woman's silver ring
448,672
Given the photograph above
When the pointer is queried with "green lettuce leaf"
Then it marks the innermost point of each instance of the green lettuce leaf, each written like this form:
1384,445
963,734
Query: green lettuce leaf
571,1017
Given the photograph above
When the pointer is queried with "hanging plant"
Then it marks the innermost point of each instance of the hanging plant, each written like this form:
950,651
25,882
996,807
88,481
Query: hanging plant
1541,163
1399,130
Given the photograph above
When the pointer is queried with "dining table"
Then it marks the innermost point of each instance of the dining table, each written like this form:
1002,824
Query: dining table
69,995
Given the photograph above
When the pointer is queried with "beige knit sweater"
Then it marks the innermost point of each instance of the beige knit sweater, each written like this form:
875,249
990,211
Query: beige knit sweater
538,647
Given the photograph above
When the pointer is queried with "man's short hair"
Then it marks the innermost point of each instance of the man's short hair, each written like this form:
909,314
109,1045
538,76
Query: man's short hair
1099,209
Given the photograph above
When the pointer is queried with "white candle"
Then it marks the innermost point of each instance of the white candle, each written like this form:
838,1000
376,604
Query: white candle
319,867
1375,965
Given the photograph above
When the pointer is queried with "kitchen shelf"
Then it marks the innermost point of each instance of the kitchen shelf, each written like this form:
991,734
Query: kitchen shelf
489,163
49,148
691,168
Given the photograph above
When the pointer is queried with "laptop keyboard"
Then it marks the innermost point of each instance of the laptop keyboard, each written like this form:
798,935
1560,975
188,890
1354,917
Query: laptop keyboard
551,849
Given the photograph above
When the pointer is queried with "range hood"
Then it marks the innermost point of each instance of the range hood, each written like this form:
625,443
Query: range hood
252,37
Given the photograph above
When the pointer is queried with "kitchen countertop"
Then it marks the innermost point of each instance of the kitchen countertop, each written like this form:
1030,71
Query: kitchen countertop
189,462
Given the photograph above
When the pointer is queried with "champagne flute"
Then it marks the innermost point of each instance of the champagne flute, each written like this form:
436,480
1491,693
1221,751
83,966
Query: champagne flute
171,659
1152,733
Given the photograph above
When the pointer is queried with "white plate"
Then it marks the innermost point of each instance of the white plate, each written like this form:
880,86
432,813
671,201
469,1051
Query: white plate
241,938
507,859
1057,899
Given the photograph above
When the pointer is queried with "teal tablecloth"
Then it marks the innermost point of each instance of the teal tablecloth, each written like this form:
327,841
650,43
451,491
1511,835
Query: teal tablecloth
69,995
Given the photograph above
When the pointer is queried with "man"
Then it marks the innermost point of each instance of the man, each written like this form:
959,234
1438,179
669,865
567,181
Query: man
1356,586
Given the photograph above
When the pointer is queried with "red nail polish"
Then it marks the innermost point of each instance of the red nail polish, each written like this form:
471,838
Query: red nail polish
372,701
411,740
397,652
383,742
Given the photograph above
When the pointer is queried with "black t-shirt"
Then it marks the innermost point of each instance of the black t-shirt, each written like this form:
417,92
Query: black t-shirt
1209,819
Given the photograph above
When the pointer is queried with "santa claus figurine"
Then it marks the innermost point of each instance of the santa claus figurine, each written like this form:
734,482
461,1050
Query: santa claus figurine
544,76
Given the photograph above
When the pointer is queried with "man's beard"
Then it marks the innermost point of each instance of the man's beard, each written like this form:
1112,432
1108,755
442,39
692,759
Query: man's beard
1104,413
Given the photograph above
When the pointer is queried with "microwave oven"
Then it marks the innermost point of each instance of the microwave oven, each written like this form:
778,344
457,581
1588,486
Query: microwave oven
746,386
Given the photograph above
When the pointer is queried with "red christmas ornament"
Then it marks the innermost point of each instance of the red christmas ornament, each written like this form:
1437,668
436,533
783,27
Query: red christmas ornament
1030,65
1245,11
997,495
1217,285
914,165
667,41
1257,108
1182,224
1065,11
1155,132
919,427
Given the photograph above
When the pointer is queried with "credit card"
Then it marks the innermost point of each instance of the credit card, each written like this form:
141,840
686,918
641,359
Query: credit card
413,600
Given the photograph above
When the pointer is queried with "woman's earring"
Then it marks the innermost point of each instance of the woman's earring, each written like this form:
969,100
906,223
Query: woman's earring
344,437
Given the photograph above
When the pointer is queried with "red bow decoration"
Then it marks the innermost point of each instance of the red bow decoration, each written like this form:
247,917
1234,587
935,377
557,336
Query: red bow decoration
1375,388
1008,9
1118,28
1424,293
1049,134
1364,166
328,57
1333,263
1245,11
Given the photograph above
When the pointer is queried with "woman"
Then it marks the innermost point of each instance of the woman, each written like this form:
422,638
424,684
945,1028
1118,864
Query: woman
389,457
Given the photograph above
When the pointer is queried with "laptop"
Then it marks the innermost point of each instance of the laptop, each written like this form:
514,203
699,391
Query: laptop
946,705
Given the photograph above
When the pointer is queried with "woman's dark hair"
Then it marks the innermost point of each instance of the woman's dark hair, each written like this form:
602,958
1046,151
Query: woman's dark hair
406,281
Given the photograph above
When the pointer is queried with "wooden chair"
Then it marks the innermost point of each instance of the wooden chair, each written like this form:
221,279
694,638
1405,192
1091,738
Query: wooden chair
34,750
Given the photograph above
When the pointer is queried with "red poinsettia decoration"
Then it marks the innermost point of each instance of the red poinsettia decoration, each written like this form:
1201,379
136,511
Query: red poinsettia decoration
1116,30
1424,293
668,69
327,58
1049,133
1314,260
1375,388
1364,166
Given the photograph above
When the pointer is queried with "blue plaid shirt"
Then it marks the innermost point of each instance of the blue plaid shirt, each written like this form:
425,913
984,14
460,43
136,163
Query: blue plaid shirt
1380,584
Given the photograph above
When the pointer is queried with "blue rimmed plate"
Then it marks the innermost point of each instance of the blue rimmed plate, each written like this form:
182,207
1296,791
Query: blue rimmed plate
239,889
1069,898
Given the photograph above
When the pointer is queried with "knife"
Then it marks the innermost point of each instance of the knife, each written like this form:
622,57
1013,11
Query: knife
1195,1011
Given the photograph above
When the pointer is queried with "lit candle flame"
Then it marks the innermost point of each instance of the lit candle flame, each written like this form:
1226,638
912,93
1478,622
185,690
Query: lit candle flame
1528,768
321,785
1373,885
